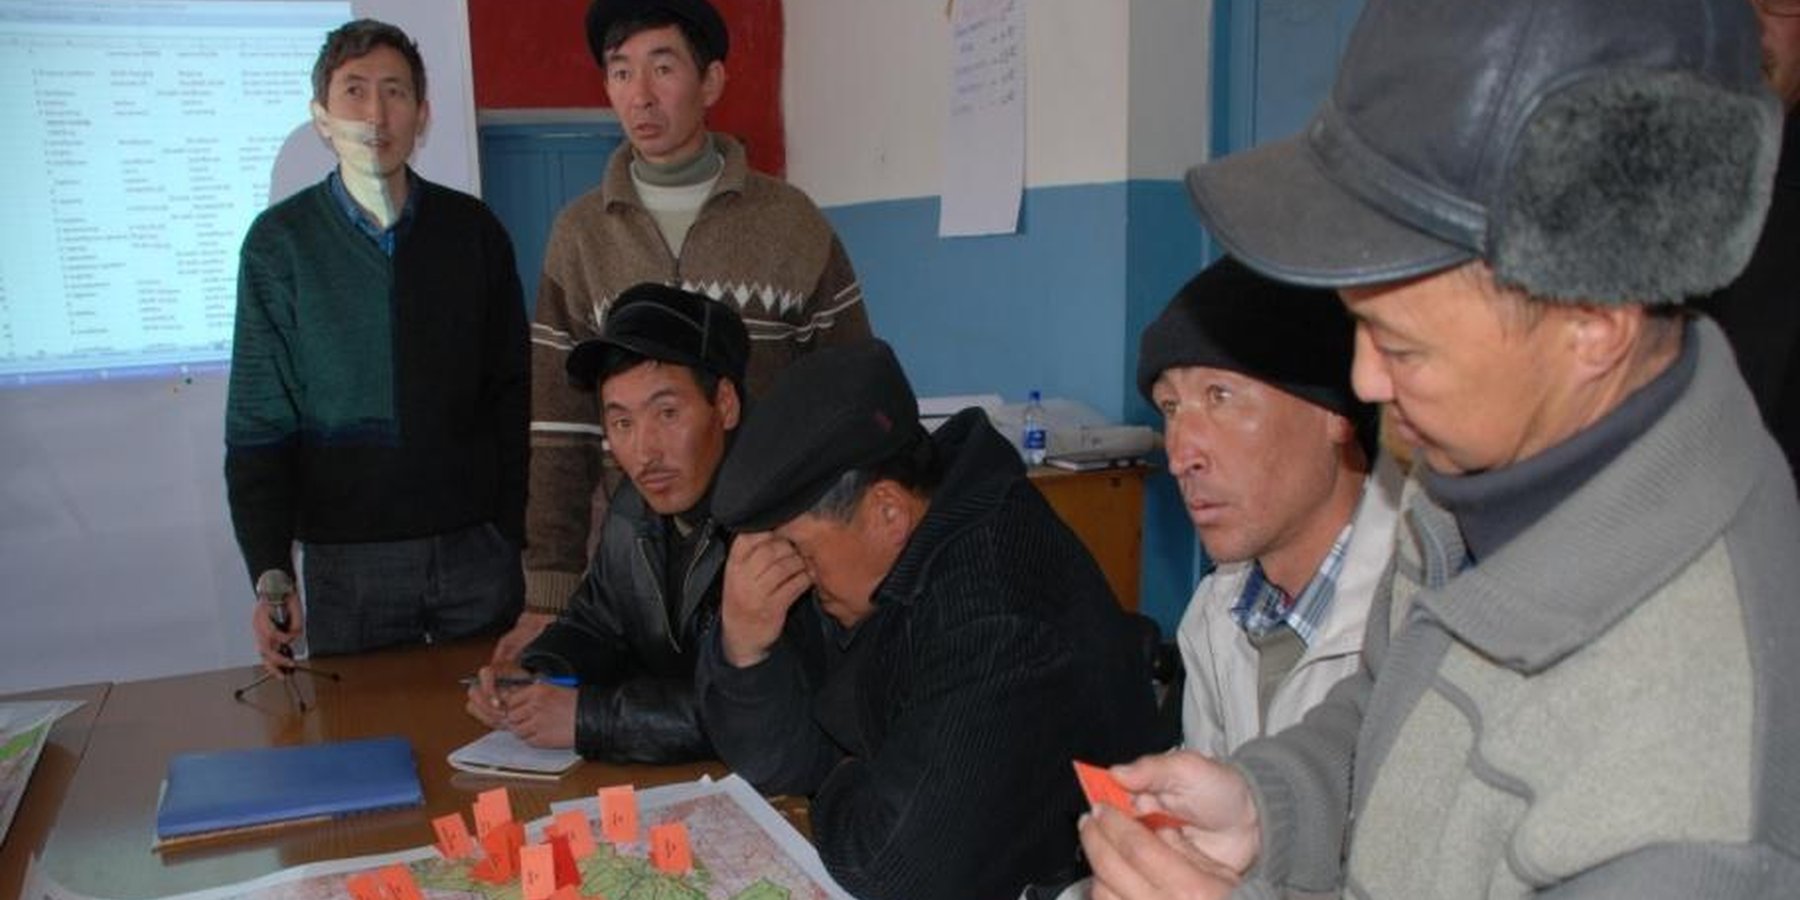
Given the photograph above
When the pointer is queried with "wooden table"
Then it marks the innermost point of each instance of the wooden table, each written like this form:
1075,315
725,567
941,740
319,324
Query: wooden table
1105,508
101,843
50,779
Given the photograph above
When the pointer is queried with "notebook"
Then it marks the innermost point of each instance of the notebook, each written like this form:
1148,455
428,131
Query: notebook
503,754
231,790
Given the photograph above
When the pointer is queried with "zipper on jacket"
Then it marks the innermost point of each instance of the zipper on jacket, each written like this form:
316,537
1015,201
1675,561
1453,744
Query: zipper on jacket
662,600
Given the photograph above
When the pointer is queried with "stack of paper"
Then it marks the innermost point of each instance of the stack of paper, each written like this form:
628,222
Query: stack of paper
502,753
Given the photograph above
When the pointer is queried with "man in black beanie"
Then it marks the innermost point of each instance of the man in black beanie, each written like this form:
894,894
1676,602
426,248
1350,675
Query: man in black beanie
911,636
1273,454
667,370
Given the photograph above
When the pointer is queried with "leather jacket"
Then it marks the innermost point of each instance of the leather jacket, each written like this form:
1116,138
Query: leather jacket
636,668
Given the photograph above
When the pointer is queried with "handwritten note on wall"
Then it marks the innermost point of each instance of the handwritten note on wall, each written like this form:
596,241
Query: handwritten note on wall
984,137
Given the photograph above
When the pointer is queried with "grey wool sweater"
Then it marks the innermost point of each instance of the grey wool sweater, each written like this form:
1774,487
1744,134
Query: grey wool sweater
1608,705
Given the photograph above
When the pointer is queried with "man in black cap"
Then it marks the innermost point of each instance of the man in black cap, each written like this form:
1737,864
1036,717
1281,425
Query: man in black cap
668,366
913,638
1272,451
678,205
1583,680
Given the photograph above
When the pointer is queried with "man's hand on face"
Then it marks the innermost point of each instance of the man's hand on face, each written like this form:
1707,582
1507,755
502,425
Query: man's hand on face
764,575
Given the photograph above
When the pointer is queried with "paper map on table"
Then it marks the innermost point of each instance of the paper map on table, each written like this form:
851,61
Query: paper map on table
24,727
743,850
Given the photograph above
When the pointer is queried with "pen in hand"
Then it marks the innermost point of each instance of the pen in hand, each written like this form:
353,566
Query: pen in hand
516,681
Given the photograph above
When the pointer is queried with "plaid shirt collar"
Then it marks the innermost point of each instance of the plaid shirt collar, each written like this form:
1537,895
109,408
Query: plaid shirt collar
385,238
1262,607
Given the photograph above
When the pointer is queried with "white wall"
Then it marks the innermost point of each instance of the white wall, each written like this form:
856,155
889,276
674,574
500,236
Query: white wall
1171,77
117,560
865,84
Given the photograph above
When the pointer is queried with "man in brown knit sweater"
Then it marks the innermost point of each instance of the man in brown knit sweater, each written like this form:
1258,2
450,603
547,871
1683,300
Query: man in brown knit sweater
678,205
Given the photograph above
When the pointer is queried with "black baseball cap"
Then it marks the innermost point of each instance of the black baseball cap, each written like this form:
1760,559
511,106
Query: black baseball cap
831,411
656,321
700,14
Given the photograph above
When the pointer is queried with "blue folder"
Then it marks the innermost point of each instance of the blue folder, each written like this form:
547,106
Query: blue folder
234,789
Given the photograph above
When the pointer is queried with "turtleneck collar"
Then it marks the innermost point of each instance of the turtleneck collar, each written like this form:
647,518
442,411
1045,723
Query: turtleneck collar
1493,507
703,166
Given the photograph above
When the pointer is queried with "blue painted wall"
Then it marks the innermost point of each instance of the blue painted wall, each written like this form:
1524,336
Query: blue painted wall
1057,306
1041,309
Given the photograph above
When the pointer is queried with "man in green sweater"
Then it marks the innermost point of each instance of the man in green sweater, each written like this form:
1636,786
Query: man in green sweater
379,384
678,205
1583,678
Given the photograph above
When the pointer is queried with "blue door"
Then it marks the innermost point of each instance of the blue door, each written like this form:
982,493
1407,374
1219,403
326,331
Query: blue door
529,172
1276,65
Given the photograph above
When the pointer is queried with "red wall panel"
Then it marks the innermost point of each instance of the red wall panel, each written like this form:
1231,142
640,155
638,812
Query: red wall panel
533,54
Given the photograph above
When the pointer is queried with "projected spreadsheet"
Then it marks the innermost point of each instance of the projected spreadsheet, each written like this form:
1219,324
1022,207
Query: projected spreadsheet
139,143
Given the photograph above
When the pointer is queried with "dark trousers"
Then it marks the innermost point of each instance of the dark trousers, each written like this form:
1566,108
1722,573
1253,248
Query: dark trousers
369,595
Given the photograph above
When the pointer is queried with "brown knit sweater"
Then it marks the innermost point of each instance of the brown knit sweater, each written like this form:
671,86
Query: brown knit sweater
758,243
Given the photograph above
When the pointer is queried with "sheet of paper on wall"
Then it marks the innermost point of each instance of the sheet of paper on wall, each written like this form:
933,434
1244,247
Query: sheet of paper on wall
984,127
24,728
503,754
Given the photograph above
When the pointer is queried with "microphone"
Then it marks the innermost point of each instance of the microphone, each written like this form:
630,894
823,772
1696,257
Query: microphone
272,588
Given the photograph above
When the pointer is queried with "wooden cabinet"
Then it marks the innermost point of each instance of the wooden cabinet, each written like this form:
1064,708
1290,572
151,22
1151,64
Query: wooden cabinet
1105,508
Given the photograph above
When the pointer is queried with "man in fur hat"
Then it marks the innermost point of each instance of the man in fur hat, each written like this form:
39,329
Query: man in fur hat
1583,682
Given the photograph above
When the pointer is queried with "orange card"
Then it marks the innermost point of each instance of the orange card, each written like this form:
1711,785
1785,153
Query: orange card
574,824
566,871
492,808
669,851
537,872
365,886
1102,789
398,882
619,813
502,847
453,840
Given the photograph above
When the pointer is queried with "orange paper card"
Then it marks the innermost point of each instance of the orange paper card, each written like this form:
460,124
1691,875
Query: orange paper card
669,851
364,886
619,813
453,840
502,844
398,881
1102,789
537,872
574,824
492,808
566,872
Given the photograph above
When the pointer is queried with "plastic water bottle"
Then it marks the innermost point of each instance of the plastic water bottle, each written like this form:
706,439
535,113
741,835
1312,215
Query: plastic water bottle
1036,439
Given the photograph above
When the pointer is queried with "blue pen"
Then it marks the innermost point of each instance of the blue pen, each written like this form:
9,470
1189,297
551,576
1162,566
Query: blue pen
513,681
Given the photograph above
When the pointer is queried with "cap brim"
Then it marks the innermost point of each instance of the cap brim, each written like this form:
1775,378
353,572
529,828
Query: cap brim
590,358
1277,212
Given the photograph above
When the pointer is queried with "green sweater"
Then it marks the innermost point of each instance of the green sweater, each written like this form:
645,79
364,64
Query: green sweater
375,399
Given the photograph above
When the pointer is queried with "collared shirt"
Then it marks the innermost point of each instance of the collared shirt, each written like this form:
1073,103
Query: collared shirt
384,238
1263,607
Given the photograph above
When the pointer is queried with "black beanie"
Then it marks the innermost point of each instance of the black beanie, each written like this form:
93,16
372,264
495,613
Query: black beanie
1297,339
